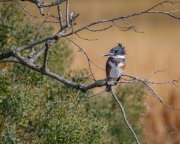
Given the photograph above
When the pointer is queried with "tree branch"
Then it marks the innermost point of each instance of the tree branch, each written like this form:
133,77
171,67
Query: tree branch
10,59
124,116
67,12
28,46
5,55
60,16
37,54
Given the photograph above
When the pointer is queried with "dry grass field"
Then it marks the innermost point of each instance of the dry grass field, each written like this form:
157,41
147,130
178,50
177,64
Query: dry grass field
156,48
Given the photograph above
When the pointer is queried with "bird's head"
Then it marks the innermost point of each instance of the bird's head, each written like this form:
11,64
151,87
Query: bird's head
116,52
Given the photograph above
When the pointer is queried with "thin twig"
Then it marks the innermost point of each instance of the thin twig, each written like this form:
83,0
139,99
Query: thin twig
85,38
162,70
89,60
30,24
132,27
21,37
99,29
121,28
124,115
25,9
81,50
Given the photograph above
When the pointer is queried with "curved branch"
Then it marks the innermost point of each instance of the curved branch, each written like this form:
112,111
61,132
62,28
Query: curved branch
28,46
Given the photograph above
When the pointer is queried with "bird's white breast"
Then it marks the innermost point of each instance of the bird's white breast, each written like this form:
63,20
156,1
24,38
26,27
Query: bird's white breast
115,72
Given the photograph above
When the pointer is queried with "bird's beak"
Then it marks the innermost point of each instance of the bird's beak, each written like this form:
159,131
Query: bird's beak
107,54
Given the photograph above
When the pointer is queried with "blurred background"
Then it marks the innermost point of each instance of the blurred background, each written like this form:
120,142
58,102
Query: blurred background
154,49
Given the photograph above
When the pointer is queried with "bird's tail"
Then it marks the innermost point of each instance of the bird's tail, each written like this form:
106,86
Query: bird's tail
108,88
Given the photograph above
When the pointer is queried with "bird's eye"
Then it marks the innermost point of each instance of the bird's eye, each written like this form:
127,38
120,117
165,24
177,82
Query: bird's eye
113,51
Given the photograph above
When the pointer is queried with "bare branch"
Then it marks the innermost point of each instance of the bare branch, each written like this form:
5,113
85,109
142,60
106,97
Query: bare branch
121,28
85,38
99,29
53,39
89,60
132,27
30,23
60,16
162,70
124,116
37,54
67,12
36,43
10,59
161,3
21,37
81,50
6,54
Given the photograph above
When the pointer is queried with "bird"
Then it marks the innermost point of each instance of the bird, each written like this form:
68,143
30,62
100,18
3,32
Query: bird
115,64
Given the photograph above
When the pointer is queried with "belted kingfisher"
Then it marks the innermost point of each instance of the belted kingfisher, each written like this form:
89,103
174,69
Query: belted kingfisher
115,64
